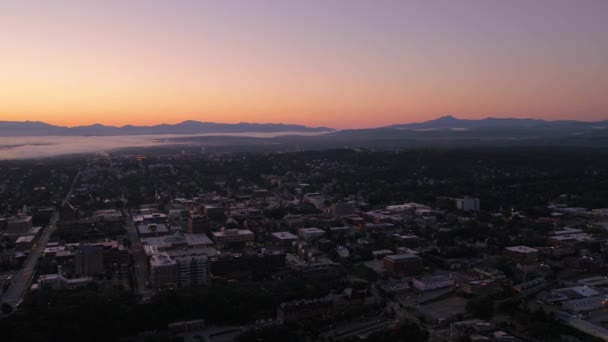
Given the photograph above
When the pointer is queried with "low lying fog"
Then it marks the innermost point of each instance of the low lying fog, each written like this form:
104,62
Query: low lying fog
42,147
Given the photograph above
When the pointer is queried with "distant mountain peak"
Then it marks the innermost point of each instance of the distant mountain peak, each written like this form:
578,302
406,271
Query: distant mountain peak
446,118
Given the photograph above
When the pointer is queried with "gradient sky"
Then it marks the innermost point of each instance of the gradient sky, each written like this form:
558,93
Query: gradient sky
338,63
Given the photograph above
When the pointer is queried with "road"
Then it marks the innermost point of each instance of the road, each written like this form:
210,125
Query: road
23,277
140,261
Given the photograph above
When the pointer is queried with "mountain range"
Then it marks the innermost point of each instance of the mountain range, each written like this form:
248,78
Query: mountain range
446,128
451,123
450,128
31,128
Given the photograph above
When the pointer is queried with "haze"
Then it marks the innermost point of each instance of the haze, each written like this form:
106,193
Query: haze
341,64
12,148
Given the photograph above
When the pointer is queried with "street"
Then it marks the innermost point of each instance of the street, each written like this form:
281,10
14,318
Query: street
23,277
140,261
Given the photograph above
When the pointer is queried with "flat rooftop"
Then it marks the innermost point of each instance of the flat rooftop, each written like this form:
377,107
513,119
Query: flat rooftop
311,230
173,241
284,236
157,228
25,239
396,257
522,249
439,277
232,232
161,259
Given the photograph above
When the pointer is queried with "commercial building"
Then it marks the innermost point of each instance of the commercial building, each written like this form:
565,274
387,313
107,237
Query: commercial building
214,212
59,282
164,271
403,263
395,286
110,215
21,224
177,241
152,229
88,260
309,234
586,304
381,253
25,242
283,238
154,218
530,287
193,270
482,287
108,257
569,240
233,238
199,224
409,208
379,227
432,283
521,253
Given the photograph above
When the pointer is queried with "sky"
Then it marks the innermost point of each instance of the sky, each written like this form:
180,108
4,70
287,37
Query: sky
336,63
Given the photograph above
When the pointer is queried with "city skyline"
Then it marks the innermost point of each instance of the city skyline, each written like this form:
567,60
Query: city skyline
342,65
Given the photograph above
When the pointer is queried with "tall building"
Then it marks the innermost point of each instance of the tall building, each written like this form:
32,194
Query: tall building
193,270
403,264
163,271
309,234
199,224
19,225
187,270
214,212
88,260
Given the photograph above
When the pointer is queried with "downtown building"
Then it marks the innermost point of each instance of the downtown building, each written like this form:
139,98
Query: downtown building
167,271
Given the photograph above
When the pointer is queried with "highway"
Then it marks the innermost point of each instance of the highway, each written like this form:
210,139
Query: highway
23,277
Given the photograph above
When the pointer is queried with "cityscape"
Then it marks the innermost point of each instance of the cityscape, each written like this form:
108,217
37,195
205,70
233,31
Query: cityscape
304,171
339,244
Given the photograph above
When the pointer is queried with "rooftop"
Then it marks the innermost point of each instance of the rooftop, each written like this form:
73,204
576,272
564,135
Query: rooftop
284,236
161,259
228,232
440,277
174,241
522,249
152,228
311,231
396,257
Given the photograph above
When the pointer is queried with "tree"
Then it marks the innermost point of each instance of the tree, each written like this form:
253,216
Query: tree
482,307
6,308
